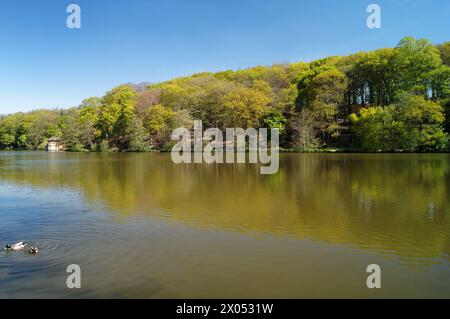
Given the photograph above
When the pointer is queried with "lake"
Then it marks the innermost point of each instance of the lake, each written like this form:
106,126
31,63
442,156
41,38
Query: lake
140,226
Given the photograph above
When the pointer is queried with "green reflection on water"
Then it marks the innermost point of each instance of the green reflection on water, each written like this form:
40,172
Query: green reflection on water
387,203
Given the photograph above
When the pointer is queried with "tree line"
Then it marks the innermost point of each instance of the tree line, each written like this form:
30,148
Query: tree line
391,99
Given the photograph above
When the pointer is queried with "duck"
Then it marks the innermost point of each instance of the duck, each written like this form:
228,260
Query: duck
33,250
16,246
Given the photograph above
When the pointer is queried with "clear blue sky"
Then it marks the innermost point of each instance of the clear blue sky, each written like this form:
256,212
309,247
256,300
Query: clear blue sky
43,64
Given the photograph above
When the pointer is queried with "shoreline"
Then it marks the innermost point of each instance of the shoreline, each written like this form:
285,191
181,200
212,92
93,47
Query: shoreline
281,151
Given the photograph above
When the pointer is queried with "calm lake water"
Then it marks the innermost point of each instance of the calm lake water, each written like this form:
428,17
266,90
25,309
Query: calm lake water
140,226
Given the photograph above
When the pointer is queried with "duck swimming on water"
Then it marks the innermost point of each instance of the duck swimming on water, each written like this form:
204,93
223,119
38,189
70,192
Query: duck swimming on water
16,246
33,250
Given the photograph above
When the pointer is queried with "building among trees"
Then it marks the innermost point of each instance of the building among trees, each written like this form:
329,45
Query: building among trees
54,145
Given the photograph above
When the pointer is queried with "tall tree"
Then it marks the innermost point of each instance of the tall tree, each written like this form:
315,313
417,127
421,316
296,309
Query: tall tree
117,113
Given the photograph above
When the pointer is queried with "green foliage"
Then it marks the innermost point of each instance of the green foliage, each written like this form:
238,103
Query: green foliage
377,130
6,140
157,117
304,132
71,130
88,122
103,146
444,50
326,103
22,141
244,107
447,115
117,112
274,119
439,82
138,137
414,60
413,124
321,92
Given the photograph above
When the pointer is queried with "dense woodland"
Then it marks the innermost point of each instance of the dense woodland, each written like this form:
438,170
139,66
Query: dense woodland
390,100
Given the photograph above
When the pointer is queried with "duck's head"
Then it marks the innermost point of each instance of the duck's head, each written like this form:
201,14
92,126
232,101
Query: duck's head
7,247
